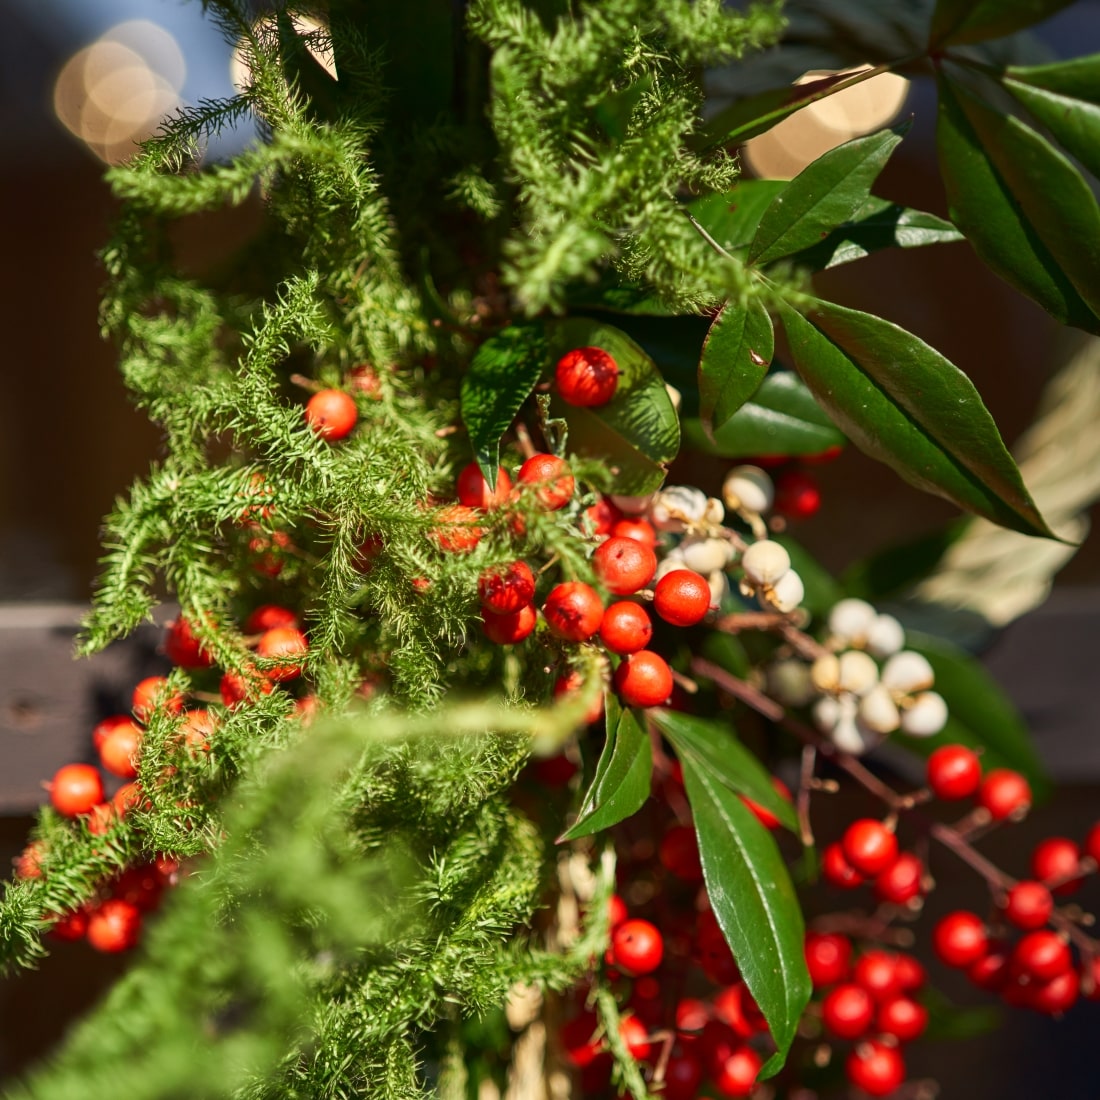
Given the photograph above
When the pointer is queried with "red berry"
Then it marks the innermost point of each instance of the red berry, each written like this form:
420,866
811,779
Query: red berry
282,644
603,515
1040,955
456,530
1055,996
827,957
954,772
681,597
196,729
624,565
268,616
236,688
151,693
691,1015
836,868
735,1007
103,729
1004,793
587,377
869,846
473,490
636,1036
910,973
766,817
903,1018
114,926
183,648
70,926
641,530
141,886
847,1011
877,972
960,939
509,629
990,972
331,414
75,789
570,684
683,1075
126,798
101,819
1057,859
643,679
119,750
901,881
797,495
552,479
616,911
736,1076
876,1068
1029,905
504,589
573,611
625,627
679,853
27,863
637,947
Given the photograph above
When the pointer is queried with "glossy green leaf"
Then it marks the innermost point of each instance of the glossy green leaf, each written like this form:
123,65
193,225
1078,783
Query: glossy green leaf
983,206
637,432
957,21
1065,98
731,219
876,225
621,783
781,418
715,748
736,355
1050,193
754,901
822,196
904,404
981,713
502,375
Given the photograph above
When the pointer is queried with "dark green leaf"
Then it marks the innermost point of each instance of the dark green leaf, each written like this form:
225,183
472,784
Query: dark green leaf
614,110
612,297
957,21
876,225
715,749
637,431
781,418
889,572
621,783
501,377
1050,193
984,208
822,196
822,591
981,713
1074,123
736,355
949,1021
755,903
903,403
731,219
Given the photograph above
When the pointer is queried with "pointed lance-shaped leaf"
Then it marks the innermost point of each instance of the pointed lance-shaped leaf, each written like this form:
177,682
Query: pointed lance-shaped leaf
957,21
823,195
984,207
735,357
902,402
731,218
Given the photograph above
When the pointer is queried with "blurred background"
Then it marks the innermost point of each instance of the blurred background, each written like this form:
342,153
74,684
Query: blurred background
82,80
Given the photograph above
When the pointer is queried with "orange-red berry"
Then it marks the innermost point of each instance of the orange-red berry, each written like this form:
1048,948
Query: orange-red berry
75,789
551,478
504,589
511,628
573,610
473,490
283,644
624,565
331,414
587,377
625,627
681,597
643,679
456,530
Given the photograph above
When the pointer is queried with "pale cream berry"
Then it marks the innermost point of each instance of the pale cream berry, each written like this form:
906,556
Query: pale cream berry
826,713
851,620
787,592
672,561
748,489
677,508
907,672
825,673
789,682
674,395
849,737
714,513
718,583
886,636
765,562
705,555
858,672
925,716
878,711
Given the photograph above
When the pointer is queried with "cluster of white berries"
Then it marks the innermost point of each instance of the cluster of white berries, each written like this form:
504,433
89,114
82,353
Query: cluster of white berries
855,702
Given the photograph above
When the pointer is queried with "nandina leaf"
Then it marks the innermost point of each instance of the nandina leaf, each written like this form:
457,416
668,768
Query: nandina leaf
502,375
957,21
983,206
731,219
903,403
637,432
736,355
621,783
754,901
781,418
715,748
822,196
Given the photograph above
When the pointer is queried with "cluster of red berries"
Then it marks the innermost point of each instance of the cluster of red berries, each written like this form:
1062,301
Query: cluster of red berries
797,491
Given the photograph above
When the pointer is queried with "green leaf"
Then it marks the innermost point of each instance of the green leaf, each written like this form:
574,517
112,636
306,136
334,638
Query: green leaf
637,432
731,219
736,355
894,569
621,783
903,403
949,1021
822,196
984,207
957,21
754,901
501,377
715,749
980,712
1049,191
781,418
876,225
1065,98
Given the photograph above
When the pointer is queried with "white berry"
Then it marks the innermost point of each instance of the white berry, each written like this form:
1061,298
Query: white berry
749,489
926,716
677,507
858,672
787,592
850,620
705,555
886,636
878,711
789,682
825,673
907,672
765,562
